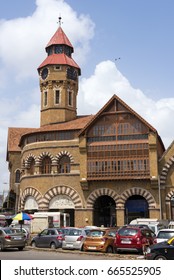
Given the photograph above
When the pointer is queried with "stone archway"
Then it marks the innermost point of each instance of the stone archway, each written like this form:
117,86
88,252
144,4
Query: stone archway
62,190
170,205
99,192
63,199
31,192
136,206
142,196
137,191
103,204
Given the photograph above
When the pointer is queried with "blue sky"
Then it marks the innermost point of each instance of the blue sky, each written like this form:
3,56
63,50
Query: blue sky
139,32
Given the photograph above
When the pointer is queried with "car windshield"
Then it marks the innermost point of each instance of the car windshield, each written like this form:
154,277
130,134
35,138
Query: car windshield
128,232
165,234
75,232
96,233
8,231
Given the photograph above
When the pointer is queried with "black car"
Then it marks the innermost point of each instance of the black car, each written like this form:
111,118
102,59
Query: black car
161,251
49,238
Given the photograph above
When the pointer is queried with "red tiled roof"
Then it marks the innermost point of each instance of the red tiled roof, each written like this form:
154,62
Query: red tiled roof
59,38
59,59
15,133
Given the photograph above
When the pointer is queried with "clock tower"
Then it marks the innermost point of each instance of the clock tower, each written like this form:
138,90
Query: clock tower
58,81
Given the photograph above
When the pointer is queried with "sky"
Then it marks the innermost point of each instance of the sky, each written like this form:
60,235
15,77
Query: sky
123,47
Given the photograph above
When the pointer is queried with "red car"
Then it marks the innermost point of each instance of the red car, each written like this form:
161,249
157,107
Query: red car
133,239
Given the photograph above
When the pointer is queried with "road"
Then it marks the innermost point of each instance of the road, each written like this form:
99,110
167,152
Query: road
47,254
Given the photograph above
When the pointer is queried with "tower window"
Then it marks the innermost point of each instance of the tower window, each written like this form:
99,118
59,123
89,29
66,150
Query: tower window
17,176
70,102
57,97
45,101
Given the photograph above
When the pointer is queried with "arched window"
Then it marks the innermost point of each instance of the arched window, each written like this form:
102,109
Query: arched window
46,165
17,176
31,168
64,165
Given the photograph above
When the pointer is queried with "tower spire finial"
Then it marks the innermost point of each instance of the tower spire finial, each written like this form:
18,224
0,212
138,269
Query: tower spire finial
60,21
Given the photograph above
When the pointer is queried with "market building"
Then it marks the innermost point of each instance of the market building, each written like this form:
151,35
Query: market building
104,169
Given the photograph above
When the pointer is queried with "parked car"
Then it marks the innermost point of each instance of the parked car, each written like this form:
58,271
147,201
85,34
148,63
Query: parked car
24,231
74,238
10,239
100,239
135,239
161,251
49,238
164,234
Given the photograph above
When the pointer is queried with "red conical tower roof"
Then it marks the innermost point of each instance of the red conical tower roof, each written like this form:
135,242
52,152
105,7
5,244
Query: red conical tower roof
59,38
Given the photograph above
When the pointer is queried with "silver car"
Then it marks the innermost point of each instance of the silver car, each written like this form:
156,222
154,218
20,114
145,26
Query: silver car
11,239
74,238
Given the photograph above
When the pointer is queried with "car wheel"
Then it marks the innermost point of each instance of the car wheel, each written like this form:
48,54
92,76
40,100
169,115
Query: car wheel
53,245
160,257
33,244
115,251
20,248
109,249
82,249
1,247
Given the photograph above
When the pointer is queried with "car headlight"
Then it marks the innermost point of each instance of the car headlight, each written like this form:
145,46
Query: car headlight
148,250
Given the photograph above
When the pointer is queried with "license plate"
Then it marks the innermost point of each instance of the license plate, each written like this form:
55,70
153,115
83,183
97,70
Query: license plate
92,248
17,238
125,241
69,245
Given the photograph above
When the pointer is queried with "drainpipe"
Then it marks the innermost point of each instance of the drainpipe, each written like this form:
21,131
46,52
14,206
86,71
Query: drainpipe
159,193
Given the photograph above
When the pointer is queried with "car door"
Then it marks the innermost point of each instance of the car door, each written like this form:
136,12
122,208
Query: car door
42,238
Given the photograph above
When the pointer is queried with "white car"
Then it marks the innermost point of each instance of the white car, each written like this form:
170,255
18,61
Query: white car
74,238
164,234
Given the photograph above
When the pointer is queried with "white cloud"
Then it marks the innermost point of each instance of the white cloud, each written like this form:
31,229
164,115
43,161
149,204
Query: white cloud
23,40
107,81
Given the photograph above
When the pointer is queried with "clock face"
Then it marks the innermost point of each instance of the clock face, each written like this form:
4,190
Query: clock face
44,73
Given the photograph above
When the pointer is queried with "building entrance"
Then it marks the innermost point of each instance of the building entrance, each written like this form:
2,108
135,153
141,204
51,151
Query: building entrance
136,206
104,211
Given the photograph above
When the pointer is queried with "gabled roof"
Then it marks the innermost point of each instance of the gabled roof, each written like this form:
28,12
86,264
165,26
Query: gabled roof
59,38
108,104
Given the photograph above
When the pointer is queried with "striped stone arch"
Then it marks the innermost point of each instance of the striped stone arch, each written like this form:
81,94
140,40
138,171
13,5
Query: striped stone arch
169,196
29,158
64,153
62,190
30,191
165,170
99,192
137,191
44,154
